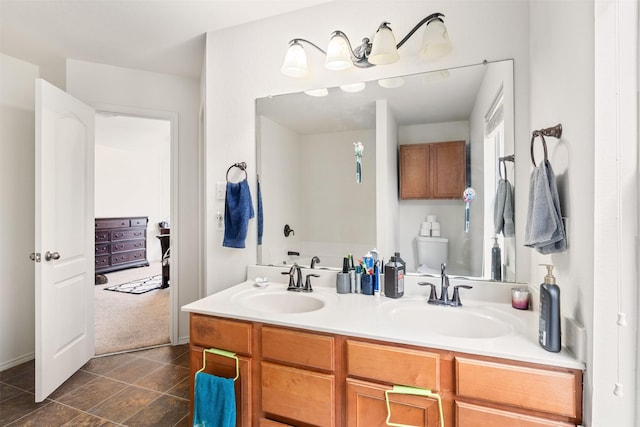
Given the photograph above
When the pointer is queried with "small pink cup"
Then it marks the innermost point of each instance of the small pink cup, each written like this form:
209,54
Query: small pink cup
520,298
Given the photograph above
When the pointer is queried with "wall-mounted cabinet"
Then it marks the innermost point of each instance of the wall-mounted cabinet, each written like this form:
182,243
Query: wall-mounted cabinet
433,170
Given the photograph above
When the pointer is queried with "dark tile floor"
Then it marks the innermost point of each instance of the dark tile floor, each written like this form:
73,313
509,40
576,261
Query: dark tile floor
142,388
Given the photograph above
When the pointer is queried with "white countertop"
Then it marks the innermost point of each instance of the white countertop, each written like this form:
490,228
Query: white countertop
368,316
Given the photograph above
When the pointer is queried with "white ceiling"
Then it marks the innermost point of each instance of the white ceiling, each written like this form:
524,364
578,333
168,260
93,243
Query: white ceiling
166,36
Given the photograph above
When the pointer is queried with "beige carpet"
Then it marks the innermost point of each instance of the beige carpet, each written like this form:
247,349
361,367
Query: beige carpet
126,322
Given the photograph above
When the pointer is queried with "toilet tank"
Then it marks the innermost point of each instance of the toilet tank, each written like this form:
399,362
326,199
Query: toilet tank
432,252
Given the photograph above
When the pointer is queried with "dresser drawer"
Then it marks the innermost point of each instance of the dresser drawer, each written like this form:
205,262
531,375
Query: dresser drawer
127,245
128,257
111,223
300,348
543,390
102,261
394,365
134,233
102,236
138,222
207,331
102,249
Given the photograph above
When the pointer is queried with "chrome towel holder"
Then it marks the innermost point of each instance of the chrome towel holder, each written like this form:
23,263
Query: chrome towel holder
242,166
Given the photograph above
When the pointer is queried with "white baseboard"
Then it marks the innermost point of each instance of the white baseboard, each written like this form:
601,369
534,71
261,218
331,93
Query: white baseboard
17,361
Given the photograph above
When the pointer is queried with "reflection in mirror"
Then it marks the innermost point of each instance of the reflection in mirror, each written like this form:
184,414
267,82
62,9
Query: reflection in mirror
307,170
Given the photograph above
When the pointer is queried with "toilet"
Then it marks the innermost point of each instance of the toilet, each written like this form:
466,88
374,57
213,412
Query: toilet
432,251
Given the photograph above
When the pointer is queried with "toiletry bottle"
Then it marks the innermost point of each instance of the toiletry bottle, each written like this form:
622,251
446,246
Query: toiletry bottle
549,327
496,261
394,277
343,282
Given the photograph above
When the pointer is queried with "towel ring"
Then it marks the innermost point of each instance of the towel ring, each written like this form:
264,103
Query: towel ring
544,145
242,166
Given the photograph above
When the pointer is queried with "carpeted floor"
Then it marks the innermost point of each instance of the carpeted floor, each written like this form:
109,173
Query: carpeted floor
125,321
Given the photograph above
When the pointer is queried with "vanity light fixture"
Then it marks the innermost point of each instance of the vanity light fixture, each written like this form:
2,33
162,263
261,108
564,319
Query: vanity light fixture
384,50
353,87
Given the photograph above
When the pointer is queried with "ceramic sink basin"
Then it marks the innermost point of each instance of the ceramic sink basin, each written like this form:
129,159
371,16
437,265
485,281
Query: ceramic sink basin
280,301
473,321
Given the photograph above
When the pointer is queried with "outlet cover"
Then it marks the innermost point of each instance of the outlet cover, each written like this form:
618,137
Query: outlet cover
221,190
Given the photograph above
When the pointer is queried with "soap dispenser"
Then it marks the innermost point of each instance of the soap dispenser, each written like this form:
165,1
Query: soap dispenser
496,261
549,327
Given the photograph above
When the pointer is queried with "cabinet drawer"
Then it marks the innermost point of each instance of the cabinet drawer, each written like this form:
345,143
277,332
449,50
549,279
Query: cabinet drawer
102,236
394,365
111,223
300,348
102,249
102,261
367,406
134,233
298,394
524,387
270,423
138,222
127,257
228,335
468,415
127,245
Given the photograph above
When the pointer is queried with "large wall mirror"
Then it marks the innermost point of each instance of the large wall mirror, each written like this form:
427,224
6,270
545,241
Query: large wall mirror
314,205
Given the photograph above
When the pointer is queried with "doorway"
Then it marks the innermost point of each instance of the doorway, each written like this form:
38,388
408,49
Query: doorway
133,179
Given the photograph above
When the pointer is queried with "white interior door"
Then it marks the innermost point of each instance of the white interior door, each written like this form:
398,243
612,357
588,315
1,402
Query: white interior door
64,236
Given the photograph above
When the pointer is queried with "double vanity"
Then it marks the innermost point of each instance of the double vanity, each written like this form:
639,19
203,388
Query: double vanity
326,359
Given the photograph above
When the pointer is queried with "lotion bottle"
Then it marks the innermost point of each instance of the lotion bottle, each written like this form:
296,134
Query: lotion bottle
549,328
496,261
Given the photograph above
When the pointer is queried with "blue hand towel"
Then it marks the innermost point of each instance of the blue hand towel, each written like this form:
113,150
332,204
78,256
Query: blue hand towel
237,212
503,209
260,219
214,402
544,230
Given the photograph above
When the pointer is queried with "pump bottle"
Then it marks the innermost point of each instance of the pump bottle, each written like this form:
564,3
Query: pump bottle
549,328
496,261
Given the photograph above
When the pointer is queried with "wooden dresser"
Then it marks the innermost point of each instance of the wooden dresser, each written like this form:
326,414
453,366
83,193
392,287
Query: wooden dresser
120,243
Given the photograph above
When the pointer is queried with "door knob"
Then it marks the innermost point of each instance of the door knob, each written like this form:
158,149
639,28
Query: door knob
48,256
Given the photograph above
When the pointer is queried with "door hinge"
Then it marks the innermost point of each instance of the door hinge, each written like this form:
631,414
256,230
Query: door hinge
34,256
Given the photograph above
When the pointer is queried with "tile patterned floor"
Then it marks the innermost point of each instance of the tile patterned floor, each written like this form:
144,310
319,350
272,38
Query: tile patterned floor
142,388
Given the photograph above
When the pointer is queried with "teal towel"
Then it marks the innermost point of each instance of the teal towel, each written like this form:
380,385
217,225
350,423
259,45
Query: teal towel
214,402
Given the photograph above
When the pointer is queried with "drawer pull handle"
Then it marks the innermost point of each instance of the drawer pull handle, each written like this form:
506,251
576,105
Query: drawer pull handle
400,389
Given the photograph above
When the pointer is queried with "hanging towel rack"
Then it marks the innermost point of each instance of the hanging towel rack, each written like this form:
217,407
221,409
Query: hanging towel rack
502,164
242,166
554,131
223,353
401,389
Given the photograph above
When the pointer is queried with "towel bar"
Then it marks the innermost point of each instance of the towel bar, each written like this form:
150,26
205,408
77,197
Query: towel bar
223,353
399,389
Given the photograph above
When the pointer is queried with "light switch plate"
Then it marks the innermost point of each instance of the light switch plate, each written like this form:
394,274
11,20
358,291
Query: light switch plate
221,189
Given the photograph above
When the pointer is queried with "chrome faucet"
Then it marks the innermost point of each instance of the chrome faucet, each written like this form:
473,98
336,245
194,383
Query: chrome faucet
295,278
444,290
314,261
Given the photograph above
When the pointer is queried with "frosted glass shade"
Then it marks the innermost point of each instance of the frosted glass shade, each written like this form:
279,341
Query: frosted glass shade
295,62
383,49
353,87
435,42
338,54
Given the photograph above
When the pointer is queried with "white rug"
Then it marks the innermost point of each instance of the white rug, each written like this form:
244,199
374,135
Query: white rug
139,286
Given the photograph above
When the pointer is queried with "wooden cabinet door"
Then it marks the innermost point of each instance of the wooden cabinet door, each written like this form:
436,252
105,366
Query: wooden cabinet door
226,367
414,171
469,415
447,171
367,407
298,395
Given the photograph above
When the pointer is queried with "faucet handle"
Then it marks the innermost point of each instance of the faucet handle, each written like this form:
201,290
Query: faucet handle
432,294
292,282
456,294
307,283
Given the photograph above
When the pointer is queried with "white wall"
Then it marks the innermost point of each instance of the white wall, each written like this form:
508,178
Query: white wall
165,96
233,86
17,187
133,172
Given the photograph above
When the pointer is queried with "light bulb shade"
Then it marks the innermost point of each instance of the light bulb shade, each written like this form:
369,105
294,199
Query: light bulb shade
383,49
338,53
295,62
435,42
353,87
